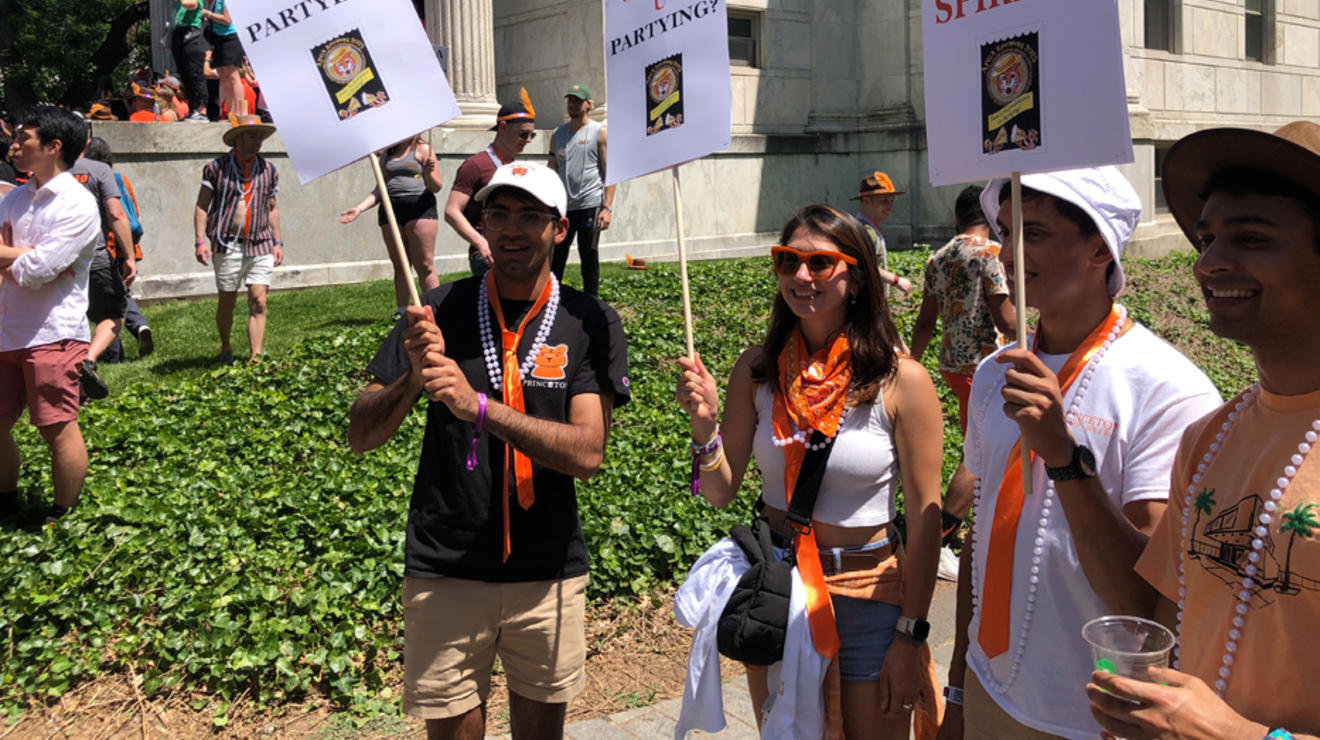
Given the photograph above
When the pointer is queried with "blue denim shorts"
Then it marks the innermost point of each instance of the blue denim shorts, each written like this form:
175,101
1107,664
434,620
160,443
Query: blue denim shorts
866,630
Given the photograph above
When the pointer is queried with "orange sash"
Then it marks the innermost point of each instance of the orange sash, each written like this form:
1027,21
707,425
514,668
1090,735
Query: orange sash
813,393
512,392
997,592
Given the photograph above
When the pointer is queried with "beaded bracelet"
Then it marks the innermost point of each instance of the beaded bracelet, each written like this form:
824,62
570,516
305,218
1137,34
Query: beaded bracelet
481,421
697,452
715,464
1279,734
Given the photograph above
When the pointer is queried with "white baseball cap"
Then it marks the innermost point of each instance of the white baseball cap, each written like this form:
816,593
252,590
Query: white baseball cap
537,180
1102,192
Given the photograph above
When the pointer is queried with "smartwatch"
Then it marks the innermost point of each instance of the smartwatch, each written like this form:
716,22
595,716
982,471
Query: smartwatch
915,629
1081,466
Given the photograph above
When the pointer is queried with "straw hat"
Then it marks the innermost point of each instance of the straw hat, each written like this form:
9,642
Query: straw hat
246,123
1291,153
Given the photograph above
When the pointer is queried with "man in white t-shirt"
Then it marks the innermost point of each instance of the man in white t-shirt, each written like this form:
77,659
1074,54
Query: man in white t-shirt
1102,402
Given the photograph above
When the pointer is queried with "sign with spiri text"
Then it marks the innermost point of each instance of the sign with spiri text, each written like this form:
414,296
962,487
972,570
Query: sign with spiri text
342,78
1023,86
668,85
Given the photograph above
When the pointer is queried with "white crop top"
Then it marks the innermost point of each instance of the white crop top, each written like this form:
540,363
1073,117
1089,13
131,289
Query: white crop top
861,476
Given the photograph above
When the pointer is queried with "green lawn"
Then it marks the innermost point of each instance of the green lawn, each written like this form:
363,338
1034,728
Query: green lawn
228,541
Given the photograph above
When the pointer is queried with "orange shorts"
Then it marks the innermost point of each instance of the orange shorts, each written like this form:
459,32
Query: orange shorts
962,388
453,629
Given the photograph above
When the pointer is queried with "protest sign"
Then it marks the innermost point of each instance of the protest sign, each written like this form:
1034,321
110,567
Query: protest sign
670,95
343,78
668,86
1022,86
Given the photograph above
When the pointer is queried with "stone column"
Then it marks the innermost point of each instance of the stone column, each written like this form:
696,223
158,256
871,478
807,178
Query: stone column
467,27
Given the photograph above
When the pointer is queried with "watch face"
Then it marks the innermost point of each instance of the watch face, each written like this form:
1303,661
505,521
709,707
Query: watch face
1086,461
920,629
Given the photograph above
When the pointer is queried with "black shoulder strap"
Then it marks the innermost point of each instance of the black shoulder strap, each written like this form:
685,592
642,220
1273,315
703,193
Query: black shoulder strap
808,481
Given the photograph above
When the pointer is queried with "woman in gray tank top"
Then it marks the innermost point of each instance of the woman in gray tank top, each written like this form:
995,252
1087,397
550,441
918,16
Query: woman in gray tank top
412,178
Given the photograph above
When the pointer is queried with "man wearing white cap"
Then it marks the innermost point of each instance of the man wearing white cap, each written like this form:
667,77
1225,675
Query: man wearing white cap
1101,401
520,403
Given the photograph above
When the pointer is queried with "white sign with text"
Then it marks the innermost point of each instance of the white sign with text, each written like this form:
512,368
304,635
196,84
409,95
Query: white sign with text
1022,86
668,84
342,78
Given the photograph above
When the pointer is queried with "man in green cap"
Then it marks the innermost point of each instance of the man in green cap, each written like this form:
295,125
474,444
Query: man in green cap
577,153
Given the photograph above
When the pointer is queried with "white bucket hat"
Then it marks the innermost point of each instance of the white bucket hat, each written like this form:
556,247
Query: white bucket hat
537,180
1101,192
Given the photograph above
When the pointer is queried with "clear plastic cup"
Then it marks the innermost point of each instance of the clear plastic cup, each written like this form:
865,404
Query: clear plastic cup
1128,646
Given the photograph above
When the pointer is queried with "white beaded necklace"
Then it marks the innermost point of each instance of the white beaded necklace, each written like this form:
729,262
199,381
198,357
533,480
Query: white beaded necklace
491,349
1257,542
1047,504
799,436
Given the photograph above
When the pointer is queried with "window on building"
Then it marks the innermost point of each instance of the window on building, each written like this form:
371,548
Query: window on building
1161,151
744,33
1159,25
1255,30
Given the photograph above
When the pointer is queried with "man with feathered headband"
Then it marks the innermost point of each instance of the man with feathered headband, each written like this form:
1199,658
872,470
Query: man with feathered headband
514,127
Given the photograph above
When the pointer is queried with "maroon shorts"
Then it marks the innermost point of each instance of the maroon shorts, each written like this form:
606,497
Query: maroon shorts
42,378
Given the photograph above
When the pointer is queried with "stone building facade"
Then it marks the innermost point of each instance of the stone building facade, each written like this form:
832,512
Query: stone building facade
824,91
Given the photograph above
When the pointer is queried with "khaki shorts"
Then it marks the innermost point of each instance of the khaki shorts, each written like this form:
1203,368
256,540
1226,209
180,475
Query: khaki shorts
233,270
454,628
984,720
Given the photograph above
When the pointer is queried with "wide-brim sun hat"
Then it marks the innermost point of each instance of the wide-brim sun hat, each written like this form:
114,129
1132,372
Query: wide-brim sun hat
1101,192
537,180
247,123
876,183
1291,153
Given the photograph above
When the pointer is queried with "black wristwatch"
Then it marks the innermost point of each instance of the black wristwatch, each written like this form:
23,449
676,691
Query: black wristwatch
915,629
1081,466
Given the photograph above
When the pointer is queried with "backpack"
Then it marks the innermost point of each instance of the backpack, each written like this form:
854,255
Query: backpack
129,200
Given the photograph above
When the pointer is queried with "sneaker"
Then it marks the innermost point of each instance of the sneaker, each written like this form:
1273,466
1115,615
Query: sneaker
92,385
197,117
254,360
948,564
55,513
146,345
226,357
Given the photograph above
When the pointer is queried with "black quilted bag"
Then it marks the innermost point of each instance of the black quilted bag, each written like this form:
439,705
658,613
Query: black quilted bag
754,623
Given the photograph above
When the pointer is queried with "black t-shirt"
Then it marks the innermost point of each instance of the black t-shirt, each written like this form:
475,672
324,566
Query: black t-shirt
456,517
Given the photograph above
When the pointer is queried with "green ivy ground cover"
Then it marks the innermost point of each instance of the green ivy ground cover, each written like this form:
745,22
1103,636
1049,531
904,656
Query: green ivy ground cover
228,541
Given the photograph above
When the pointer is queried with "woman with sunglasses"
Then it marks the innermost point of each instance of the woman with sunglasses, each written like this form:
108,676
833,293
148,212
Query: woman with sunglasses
828,364
412,178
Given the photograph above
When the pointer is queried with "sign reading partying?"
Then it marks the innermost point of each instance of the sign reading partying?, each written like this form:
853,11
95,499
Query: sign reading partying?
343,78
1023,86
667,67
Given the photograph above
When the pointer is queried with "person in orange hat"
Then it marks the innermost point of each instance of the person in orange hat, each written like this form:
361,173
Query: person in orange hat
237,224
1234,566
877,195
142,105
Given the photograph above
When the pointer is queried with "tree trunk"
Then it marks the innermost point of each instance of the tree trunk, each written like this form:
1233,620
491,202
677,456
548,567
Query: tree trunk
1287,565
113,50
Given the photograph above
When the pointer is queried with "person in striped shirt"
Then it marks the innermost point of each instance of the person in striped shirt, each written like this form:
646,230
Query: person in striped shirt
237,226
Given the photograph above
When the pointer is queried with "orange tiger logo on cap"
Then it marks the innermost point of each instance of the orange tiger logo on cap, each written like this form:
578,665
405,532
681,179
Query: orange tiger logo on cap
519,171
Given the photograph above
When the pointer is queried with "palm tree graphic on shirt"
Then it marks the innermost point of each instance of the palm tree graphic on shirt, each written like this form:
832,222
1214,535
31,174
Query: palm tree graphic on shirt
1299,521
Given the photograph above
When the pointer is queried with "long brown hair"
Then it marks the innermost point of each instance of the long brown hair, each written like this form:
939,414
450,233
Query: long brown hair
871,331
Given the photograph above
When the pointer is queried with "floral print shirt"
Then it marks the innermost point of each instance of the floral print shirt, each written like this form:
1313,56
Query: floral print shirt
962,275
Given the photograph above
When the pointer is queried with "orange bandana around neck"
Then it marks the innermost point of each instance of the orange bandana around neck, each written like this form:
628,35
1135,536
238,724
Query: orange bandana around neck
512,392
997,592
812,391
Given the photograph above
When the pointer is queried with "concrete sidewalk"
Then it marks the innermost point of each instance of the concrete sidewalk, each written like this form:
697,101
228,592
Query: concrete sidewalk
657,721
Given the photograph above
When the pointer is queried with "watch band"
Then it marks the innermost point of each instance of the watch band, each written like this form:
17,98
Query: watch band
953,695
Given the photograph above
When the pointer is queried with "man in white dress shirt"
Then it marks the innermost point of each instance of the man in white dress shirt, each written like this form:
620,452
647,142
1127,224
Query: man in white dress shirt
48,232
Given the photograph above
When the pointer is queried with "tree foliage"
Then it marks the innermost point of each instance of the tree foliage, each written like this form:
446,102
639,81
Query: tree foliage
59,51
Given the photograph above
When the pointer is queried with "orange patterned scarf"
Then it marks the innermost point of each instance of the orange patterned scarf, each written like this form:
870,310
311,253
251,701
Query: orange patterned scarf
813,389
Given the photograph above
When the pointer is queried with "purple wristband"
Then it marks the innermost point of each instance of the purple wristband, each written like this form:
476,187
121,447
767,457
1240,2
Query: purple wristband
697,452
481,421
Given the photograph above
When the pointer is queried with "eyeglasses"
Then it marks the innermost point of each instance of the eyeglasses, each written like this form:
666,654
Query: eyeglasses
530,221
526,135
820,264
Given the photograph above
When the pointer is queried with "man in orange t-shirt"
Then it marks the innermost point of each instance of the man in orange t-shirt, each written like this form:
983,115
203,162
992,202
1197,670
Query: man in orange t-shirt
1236,559
142,105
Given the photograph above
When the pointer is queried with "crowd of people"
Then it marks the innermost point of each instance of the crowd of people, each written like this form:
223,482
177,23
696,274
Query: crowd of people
1150,495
